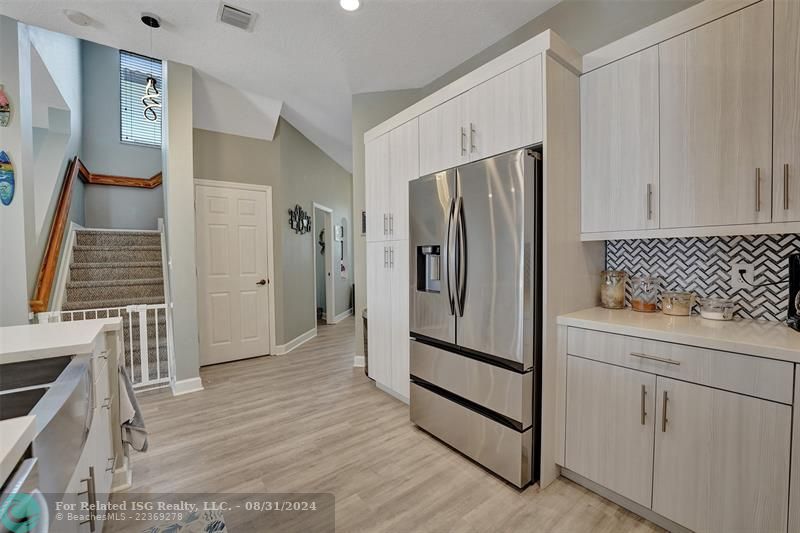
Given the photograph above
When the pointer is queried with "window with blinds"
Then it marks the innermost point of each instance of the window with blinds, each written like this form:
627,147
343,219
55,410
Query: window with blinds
133,73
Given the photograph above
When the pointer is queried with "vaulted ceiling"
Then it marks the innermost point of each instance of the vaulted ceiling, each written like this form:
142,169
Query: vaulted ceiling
308,54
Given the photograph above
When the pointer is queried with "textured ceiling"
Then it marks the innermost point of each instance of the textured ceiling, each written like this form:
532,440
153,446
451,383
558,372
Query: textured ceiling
309,54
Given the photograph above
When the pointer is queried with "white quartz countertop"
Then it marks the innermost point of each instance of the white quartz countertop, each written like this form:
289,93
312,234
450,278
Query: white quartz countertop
42,341
15,436
774,340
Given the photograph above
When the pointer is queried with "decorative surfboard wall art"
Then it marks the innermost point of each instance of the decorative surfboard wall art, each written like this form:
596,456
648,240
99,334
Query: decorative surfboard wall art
6,179
5,108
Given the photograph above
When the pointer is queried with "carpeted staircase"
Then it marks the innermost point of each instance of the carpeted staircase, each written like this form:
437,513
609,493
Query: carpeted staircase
112,269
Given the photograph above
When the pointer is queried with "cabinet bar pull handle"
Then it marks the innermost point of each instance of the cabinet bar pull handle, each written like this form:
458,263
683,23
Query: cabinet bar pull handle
91,497
664,413
654,358
644,409
463,140
786,186
472,147
385,224
385,257
758,190
391,224
391,257
649,201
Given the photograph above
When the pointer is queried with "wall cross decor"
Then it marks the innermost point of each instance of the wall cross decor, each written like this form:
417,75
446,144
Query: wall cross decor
299,220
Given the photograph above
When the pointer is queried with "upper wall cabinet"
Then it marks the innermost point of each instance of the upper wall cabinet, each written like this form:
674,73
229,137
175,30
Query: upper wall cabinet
619,145
786,165
716,122
505,112
391,160
443,137
498,115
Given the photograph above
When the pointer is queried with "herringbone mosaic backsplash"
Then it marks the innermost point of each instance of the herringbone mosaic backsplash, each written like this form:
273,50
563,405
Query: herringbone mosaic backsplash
702,265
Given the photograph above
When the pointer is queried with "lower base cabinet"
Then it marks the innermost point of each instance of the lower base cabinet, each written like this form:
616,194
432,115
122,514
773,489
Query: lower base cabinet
610,421
721,459
707,459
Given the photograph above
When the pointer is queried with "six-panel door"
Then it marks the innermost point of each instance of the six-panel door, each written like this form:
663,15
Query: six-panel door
609,434
619,145
721,459
716,122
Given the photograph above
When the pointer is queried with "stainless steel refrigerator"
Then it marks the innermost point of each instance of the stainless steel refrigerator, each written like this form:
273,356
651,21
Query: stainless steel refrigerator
475,310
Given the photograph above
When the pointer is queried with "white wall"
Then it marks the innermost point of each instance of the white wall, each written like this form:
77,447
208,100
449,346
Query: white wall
178,191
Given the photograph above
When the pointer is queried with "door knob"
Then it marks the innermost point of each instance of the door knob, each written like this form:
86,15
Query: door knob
262,282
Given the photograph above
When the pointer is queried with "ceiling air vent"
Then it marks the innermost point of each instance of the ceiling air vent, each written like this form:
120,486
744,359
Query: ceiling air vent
236,17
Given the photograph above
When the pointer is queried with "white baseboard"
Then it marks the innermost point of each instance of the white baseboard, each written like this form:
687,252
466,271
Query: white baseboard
187,386
359,361
341,316
281,349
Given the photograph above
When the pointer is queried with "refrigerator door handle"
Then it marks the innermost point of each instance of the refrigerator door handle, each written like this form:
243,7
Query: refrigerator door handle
461,265
449,260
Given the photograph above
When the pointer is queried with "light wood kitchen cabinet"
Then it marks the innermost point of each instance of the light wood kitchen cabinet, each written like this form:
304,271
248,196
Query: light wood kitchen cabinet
501,114
391,161
403,167
376,188
505,112
721,459
443,137
716,122
786,163
387,303
619,145
398,274
609,430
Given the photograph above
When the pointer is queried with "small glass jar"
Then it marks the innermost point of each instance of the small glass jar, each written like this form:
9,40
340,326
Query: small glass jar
717,308
676,303
612,289
644,293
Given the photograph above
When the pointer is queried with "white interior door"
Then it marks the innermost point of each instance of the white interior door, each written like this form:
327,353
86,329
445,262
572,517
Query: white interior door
232,273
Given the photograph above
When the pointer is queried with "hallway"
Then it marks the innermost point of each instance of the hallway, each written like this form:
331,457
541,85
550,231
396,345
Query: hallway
308,421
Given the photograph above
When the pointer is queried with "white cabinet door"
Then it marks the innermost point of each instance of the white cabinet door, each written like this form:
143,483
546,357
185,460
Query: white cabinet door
505,112
786,165
716,122
403,167
619,145
376,188
443,137
379,313
721,459
399,266
609,434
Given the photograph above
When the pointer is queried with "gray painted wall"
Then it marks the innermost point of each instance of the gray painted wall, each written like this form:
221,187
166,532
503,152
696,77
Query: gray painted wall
299,173
104,153
584,24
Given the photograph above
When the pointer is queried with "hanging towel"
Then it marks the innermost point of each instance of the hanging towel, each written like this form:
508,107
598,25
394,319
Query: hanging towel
130,414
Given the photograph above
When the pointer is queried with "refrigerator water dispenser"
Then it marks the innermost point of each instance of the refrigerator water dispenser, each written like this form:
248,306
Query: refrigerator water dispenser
429,271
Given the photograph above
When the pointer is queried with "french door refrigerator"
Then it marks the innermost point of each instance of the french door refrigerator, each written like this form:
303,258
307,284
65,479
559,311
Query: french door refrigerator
475,309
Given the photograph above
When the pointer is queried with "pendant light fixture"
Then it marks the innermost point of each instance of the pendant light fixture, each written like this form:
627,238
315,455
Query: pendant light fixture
152,98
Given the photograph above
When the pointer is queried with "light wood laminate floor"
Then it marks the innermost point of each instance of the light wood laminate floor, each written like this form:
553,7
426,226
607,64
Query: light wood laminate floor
308,421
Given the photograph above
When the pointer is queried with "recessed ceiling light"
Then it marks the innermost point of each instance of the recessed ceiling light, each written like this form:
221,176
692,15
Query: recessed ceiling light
76,17
350,5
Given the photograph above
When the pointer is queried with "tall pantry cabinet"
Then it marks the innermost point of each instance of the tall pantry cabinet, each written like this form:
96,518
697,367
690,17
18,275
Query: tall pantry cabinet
392,160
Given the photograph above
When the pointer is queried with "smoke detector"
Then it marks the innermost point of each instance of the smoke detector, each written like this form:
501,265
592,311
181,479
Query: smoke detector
236,17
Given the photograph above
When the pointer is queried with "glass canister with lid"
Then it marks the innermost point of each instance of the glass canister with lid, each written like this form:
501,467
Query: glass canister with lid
644,293
677,303
612,289
713,308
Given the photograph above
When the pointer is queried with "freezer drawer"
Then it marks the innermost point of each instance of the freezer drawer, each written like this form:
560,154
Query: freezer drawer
504,451
498,389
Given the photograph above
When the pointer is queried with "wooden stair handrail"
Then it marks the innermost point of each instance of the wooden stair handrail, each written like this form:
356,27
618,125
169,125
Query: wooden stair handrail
47,271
